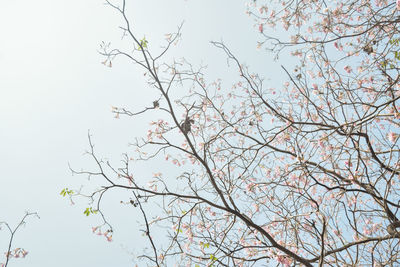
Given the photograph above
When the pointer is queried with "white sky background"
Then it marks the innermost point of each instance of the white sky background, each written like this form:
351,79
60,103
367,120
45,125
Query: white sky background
53,89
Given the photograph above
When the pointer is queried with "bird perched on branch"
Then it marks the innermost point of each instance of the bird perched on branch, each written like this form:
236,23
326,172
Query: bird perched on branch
186,125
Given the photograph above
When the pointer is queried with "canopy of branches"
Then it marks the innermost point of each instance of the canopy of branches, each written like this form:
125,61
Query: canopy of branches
301,175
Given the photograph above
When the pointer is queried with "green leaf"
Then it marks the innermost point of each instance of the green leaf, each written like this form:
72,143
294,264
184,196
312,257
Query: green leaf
213,258
65,192
87,212
394,41
143,43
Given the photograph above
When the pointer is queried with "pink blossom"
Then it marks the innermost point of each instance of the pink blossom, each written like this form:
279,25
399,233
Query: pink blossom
261,28
336,45
256,207
367,231
392,137
347,69
284,260
24,253
250,187
398,5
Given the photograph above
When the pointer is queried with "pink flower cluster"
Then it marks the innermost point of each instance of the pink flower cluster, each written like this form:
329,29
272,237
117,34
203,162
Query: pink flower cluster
107,234
16,253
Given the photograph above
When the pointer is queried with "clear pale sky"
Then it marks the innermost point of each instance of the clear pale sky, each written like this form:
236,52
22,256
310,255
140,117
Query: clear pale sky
53,89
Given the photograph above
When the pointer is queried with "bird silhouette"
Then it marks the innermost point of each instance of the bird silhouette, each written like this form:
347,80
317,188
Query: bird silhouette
187,125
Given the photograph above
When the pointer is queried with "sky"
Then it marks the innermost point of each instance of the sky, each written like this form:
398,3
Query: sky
54,89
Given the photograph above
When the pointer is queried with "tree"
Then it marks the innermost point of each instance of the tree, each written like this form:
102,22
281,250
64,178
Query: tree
15,252
303,175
